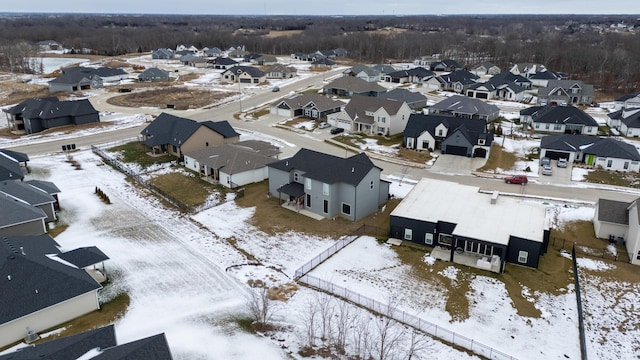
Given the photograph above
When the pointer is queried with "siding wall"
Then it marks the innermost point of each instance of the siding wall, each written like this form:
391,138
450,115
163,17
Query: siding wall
35,227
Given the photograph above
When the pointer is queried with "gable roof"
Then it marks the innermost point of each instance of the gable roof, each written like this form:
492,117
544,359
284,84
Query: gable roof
603,147
384,68
626,97
17,212
25,192
47,186
563,115
298,101
327,168
153,347
72,78
36,281
631,117
613,211
224,61
15,155
174,130
356,69
566,142
154,72
51,108
9,168
84,256
252,71
472,129
281,68
554,85
355,85
102,71
67,348
238,157
462,76
465,105
405,95
360,105
415,72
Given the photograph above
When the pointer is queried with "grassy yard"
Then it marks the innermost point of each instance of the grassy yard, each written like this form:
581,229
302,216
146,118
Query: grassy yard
499,159
613,178
191,190
136,152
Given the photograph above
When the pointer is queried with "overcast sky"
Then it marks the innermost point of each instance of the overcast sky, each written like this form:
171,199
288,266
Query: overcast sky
325,7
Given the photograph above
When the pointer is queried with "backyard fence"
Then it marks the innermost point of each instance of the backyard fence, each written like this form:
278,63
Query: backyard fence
583,341
137,177
406,318
590,251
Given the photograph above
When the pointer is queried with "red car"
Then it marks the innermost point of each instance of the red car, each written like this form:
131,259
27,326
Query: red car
516,179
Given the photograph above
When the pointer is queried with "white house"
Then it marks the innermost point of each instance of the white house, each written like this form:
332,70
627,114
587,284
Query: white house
374,115
618,221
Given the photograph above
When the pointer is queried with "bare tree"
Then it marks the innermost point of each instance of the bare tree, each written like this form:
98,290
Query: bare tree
361,337
418,343
389,335
261,307
309,318
344,322
325,308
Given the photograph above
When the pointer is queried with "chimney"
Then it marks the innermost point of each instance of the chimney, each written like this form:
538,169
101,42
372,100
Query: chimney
494,197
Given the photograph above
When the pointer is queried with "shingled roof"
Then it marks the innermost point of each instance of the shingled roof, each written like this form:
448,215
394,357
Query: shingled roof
17,212
563,115
327,168
236,158
174,130
359,106
355,85
465,105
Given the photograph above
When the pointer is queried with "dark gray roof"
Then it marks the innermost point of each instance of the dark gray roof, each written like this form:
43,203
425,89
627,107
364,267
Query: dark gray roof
236,158
359,105
554,85
30,107
462,76
154,72
67,348
631,118
9,168
323,61
327,168
384,68
293,188
603,147
627,96
37,281
18,156
174,130
47,186
356,69
153,347
613,211
84,256
224,61
321,102
17,212
417,71
51,108
25,192
355,85
530,110
251,70
101,71
405,95
472,129
545,75
563,115
566,142
465,105
72,78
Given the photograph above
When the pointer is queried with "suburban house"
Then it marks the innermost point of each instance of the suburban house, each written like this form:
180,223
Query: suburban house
618,221
39,290
558,119
312,106
607,153
187,47
279,71
107,74
100,343
364,72
480,229
30,195
223,63
628,101
527,69
542,78
465,107
19,218
451,135
565,92
627,121
162,54
39,114
175,135
244,74
187,58
383,68
212,51
351,85
458,81
153,74
198,62
445,65
414,99
435,83
11,164
415,75
328,185
233,165
49,188
265,60
75,81
503,86
322,63
373,116
485,68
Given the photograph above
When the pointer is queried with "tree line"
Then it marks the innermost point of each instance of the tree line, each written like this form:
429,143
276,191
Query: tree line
584,47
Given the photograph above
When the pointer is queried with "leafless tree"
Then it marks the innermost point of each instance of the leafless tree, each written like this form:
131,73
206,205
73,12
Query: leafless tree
388,334
325,307
310,318
418,343
261,307
344,322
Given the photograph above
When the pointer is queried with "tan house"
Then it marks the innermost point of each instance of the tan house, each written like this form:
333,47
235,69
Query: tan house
169,134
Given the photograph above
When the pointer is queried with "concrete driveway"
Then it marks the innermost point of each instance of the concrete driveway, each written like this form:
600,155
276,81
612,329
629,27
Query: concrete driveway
456,165
559,176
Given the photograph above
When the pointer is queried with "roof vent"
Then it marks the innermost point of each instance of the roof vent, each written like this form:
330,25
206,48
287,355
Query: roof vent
31,336
353,169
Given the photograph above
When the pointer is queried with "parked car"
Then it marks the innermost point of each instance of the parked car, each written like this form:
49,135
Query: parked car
337,130
562,163
516,179
545,161
546,170
275,89
324,125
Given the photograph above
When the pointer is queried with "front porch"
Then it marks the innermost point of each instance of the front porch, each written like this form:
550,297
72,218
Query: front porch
299,208
479,261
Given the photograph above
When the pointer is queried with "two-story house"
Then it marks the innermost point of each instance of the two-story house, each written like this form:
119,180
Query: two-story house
328,185
565,92
373,115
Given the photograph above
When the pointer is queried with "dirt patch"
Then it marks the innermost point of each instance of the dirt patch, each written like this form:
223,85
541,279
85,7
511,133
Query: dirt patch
15,92
181,98
117,64
499,159
613,178
276,34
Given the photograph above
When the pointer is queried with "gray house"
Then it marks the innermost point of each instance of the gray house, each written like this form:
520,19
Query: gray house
328,185
351,85
18,218
39,114
31,195
10,164
565,92
153,74
163,53
75,81
464,107
313,106
558,119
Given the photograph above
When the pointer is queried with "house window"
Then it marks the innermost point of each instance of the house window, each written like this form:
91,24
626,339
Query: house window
440,132
546,126
346,209
371,185
295,177
308,200
537,125
557,127
428,238
325,206
609,163
381,130
626,165
445,239
325,189
408,234
425,144
638,257
206,144
382,119
307,183
523,256
480,141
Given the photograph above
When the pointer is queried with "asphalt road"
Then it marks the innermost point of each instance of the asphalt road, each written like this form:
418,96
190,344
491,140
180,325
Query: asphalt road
253,99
